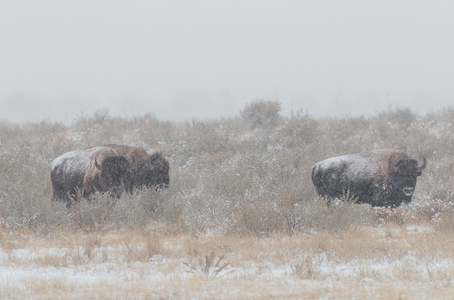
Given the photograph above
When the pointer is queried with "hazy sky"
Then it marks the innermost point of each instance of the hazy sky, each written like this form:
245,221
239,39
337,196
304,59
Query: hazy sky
206,59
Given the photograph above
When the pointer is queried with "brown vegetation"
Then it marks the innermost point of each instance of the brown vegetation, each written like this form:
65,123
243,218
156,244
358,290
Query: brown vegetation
240,198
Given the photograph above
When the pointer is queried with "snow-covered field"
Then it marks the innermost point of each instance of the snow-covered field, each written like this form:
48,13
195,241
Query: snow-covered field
241,218
390,262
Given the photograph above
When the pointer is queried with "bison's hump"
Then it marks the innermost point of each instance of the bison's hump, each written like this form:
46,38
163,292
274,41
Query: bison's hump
352,166
71,161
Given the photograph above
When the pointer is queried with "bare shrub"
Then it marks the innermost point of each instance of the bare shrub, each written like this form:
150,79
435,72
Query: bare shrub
347,135
261,114
103,213
149,245
445,223
151,132
339,215
91,216
225,176
298,130
306,268
431,210
207,266
256,217
400,115
398,216
440,181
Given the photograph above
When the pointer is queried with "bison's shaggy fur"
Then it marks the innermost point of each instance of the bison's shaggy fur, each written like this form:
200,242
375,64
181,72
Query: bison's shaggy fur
99,169
147,170
107,172
381,178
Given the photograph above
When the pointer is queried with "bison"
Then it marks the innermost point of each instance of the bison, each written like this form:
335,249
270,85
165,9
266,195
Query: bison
99,169
381,178
147,170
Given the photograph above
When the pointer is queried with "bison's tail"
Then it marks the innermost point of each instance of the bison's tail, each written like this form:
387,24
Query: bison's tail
313,173
317,179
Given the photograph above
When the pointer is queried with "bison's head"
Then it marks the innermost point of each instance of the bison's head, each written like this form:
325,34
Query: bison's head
115,173
154,173
404,174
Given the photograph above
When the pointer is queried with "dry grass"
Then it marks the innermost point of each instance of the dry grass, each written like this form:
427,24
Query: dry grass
241,214
412,261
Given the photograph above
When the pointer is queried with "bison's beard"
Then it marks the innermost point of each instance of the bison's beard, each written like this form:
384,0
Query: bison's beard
408,191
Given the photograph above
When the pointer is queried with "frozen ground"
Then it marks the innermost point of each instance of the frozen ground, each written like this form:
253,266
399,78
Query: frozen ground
334,280
106,272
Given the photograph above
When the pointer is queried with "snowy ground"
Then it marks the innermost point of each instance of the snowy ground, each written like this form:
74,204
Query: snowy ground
268,268
355,279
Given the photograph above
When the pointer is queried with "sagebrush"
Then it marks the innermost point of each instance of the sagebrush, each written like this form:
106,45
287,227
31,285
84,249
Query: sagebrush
225,175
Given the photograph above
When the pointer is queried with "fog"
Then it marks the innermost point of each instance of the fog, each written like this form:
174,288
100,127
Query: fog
205,59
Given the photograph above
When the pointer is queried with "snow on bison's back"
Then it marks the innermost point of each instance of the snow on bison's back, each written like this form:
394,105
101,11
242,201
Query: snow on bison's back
384,177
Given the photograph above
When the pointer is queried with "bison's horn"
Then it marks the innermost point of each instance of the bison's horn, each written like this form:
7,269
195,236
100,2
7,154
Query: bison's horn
424,163
97,165
392,168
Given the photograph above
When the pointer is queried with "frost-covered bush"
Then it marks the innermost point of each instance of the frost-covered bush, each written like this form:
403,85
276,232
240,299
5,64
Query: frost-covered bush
247,175
261,114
